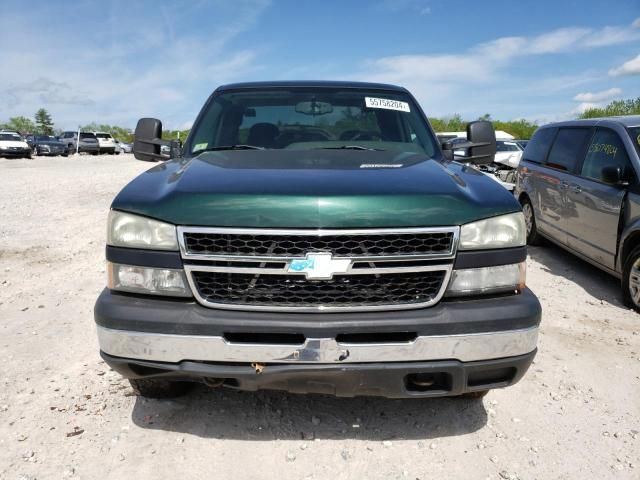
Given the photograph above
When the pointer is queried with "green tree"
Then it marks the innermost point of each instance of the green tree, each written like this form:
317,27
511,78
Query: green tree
617,107
20,124
44,124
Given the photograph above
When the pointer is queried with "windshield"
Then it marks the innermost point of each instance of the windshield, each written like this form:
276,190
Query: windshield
313,118
45,138
103,135
10,136
507,146
87,136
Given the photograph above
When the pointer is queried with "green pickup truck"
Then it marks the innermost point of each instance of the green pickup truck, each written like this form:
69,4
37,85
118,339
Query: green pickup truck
315,237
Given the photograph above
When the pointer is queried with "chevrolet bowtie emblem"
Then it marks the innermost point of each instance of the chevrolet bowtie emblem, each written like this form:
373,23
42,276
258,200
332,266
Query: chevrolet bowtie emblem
319,266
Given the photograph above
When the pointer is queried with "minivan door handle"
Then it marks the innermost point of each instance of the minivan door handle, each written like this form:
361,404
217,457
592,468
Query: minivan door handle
575,188
564,185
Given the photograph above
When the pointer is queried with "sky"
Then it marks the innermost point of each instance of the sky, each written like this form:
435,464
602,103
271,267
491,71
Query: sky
114,61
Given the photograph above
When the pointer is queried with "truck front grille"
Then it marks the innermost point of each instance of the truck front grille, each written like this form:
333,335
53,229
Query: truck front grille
344,245
380,269
340,291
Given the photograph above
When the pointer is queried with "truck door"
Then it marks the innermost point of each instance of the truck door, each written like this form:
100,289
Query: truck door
565,155
593,230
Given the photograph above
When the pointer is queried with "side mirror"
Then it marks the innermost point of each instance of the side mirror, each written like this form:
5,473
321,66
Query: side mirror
613,175
148,140
482,137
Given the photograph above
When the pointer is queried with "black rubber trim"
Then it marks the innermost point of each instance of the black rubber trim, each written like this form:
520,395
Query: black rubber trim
144,258
490,258
390,380
158,315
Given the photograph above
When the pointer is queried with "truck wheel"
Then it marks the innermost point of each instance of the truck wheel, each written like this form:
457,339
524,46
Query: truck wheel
631,280
159,388
475,395
533,238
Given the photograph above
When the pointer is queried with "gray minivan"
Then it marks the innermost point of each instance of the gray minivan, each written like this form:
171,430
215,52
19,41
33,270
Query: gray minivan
578,186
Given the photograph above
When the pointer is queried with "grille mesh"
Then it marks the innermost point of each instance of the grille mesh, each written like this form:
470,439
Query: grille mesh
297,291
428,243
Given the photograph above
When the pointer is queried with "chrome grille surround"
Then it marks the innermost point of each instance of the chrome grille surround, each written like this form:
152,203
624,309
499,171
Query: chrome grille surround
364,264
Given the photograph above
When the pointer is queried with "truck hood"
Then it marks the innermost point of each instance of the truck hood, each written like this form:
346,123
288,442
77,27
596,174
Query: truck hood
314,189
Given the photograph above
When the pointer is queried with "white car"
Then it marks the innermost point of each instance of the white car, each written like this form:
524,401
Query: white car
106,143
508,153
13,145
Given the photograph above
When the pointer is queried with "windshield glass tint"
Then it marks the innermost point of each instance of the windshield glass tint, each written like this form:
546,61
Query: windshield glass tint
10,136
103,135
315,118
87,136
507,146
45,138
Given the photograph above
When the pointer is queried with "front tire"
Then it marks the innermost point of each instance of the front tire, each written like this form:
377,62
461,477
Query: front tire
159,388
631,280
533,237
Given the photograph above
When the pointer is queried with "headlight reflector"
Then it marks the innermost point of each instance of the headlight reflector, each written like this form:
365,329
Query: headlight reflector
134,231
498,232
150,281
477,281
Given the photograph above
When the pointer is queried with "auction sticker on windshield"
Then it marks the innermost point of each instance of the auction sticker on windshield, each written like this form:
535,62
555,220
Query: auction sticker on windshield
372,102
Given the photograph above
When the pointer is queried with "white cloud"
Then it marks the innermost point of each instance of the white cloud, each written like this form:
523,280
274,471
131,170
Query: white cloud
632,67
636,23
598,96
123,68
482,78
583,107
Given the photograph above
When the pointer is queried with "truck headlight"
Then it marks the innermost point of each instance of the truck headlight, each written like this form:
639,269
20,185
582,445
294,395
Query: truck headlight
134,231
485,280
498,232
147,280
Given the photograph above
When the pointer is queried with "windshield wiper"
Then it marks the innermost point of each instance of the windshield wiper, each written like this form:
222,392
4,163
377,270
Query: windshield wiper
227,147
350,147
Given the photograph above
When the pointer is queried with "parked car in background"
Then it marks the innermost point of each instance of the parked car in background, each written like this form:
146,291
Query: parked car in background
88,142
124,147
106,143
46,145
508,152
522,143
578,186
13,145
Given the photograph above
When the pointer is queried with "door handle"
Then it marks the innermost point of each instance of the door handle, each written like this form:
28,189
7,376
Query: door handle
564,184
576,188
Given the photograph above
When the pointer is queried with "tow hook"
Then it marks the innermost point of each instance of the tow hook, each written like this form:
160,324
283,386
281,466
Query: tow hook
259,367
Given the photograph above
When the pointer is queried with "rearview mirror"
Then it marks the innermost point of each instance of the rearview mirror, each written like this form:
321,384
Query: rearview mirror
480,147
612,175
314,108
148,140
482,136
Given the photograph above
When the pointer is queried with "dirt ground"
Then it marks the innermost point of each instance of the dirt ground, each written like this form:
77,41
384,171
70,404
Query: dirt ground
63,414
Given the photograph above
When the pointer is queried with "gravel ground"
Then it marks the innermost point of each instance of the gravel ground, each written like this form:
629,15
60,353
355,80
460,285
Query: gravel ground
64,414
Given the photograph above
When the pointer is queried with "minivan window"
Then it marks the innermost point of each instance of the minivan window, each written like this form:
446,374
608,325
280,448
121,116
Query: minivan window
567,148
538,147
606,150
634,133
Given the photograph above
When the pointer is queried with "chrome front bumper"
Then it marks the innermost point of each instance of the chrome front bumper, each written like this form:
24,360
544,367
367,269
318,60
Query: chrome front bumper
177,348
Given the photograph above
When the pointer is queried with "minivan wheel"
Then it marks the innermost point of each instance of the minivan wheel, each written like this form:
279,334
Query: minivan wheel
159,388
533,238
631,280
